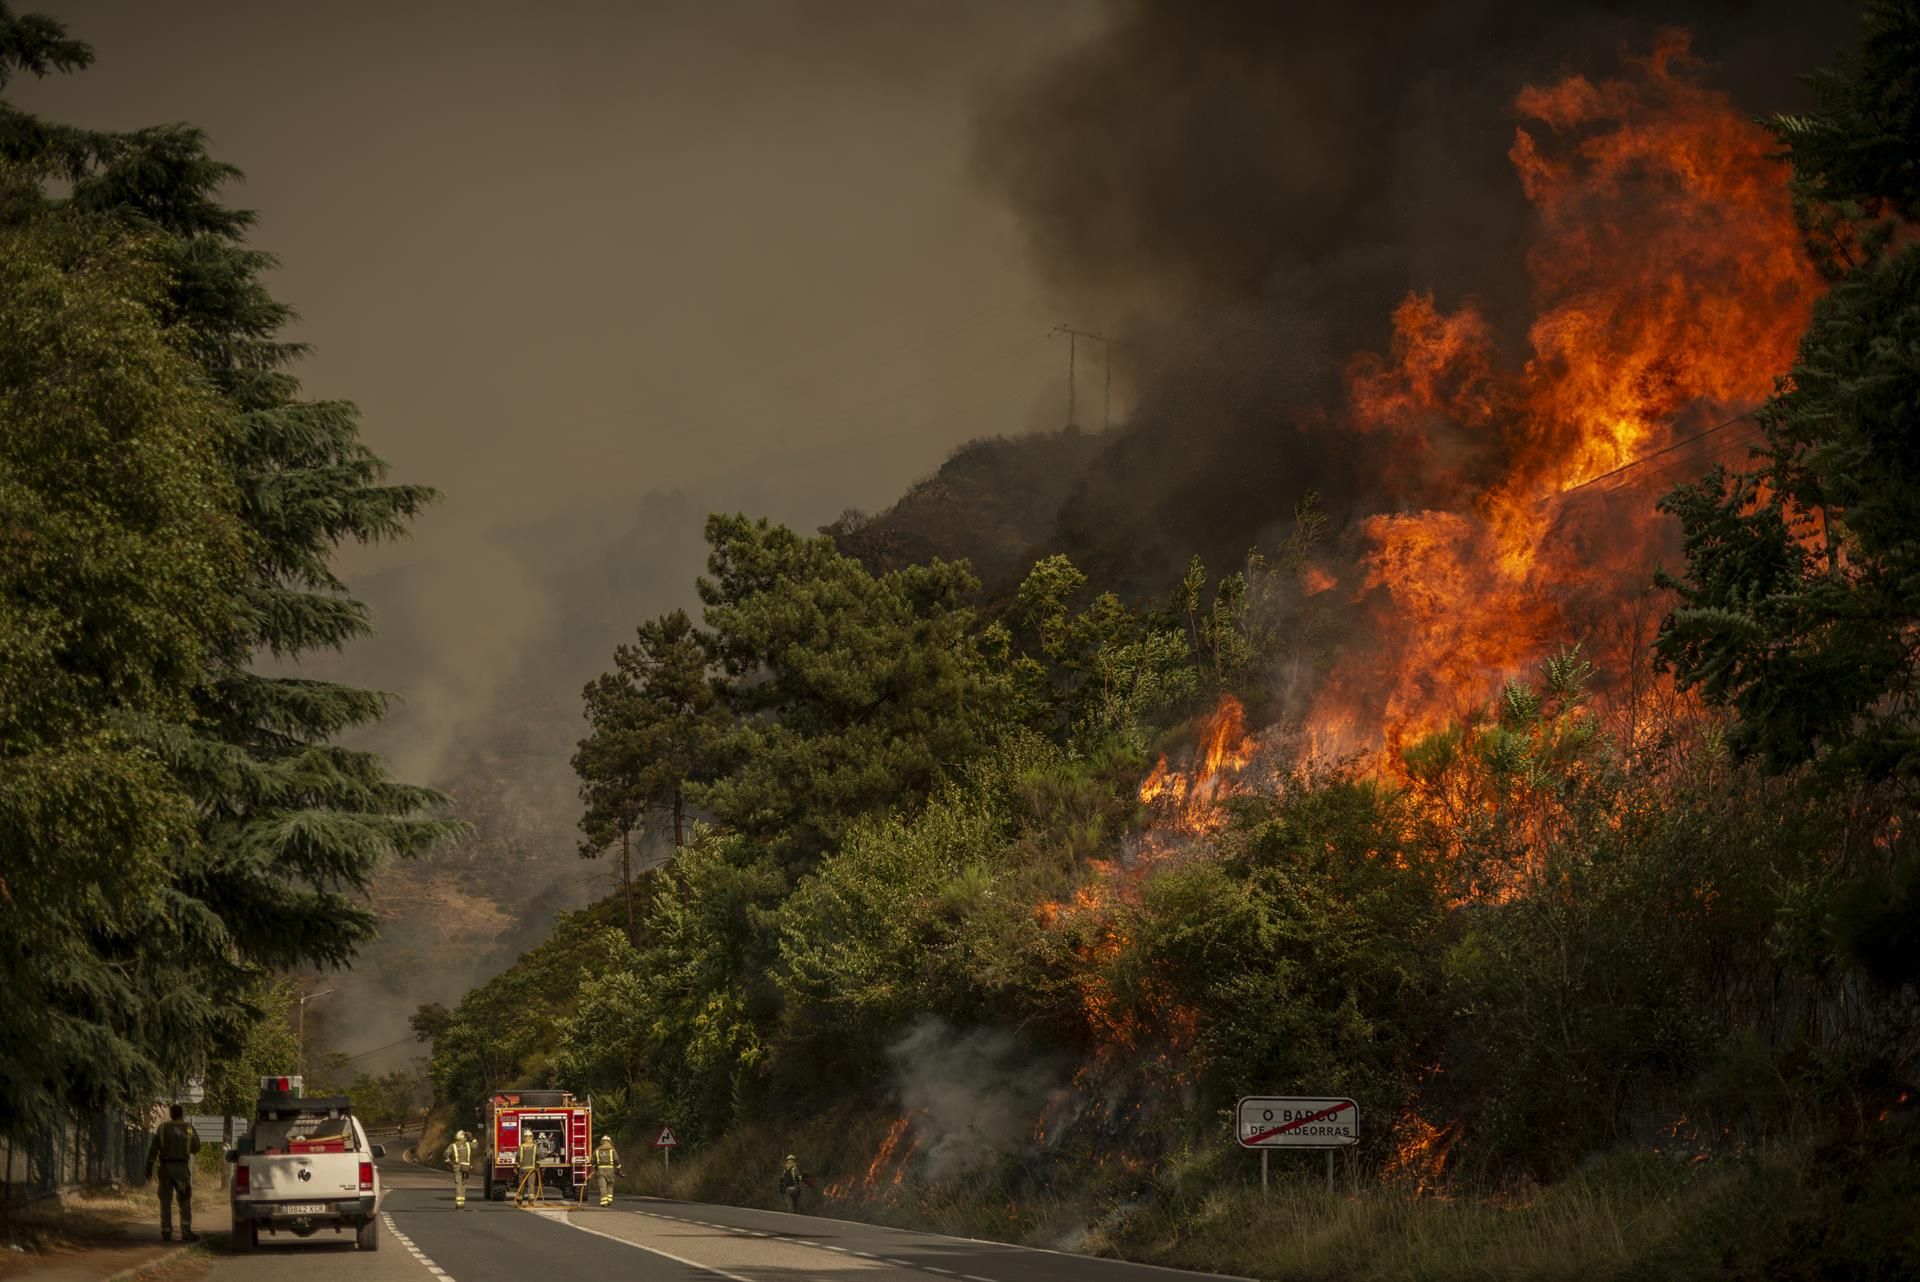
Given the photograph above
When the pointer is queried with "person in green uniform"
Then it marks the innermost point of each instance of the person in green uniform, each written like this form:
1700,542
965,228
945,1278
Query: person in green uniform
171,1152
606,1164
460,1158
528,1190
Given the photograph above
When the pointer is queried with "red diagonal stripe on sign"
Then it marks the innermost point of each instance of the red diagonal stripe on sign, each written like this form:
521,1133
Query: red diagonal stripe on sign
1298,1122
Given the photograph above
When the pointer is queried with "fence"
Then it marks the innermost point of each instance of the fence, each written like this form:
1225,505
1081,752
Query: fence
90,1150
103,1149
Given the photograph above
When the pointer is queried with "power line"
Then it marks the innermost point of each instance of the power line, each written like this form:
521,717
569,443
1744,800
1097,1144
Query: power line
1668,449
376,1050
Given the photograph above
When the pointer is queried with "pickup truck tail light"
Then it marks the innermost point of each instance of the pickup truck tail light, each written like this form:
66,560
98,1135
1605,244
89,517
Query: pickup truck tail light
366,1177
242,1178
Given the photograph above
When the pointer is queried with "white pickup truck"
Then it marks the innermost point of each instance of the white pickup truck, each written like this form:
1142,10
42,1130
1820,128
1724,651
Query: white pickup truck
305,1166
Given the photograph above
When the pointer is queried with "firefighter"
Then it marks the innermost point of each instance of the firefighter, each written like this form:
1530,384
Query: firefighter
606,1165
459,1156
529,1188
172,1150
791,1181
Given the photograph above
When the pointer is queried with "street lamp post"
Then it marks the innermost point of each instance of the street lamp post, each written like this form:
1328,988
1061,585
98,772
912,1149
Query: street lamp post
303,1026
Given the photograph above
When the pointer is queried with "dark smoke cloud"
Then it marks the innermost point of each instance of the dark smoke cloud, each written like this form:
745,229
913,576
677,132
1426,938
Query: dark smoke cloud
1242,192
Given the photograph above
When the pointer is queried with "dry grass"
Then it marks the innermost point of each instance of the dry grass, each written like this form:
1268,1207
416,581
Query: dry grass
80,1220
1631,1216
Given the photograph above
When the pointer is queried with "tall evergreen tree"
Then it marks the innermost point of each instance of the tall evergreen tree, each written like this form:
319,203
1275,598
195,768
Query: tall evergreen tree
120,544
293,825
656,721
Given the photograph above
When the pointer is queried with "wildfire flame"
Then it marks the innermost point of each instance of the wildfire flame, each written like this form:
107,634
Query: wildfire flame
1193,800
1420,1152
1671,289
885,1153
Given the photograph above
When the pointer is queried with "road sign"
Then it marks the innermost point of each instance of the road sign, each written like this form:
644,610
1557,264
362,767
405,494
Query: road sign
1281,1121
666,1139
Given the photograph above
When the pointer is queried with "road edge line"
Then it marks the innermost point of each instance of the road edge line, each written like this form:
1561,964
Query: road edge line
393,1230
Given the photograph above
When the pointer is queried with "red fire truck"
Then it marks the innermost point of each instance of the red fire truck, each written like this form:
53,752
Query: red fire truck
562,1130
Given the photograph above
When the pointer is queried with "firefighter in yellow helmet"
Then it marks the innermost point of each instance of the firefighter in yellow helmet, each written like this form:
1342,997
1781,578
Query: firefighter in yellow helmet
459,1156
529,1188
606,1165
792,1180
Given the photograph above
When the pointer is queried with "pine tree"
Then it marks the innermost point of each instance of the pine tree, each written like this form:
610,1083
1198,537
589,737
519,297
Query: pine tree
854,692
656,721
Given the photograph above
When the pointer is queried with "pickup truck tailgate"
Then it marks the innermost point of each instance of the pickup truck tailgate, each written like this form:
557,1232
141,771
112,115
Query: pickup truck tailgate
289,1177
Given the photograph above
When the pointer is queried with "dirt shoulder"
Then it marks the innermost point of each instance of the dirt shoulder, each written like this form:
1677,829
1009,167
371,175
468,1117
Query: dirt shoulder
96,1236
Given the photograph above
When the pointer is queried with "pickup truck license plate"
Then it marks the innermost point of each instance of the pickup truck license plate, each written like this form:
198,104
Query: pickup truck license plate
304,1208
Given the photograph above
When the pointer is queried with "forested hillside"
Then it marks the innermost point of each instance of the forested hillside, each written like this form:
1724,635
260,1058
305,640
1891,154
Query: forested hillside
1598,898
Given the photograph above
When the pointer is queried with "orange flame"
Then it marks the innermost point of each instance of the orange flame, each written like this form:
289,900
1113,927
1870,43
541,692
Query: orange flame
885,1153
1193,801
1671,289
1420,1152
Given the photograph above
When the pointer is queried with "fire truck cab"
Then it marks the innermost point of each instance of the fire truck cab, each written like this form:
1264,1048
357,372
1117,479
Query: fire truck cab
562,1129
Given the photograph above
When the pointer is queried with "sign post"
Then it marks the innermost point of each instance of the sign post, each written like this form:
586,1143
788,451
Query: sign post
666,1144
1267,1122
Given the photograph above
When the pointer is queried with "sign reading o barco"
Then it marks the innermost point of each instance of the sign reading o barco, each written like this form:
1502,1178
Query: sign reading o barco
1291,1121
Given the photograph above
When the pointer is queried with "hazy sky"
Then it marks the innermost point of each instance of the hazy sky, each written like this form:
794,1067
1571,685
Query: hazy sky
569,250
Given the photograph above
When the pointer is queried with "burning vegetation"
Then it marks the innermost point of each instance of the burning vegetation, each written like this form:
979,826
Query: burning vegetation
1669,289
1399,810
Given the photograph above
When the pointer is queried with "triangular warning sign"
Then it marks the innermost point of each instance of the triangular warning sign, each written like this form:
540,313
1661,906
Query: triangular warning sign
666,1139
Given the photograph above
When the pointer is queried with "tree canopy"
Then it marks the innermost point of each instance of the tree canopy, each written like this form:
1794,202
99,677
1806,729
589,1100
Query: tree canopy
287,826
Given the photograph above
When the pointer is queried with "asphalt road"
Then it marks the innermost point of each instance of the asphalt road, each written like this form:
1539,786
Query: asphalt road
424,1239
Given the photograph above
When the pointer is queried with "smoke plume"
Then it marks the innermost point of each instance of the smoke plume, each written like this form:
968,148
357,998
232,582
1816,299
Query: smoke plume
1240,194
973,1094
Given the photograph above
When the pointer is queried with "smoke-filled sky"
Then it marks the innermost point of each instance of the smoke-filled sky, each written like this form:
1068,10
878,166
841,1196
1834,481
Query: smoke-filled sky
593,268
574,256
567,251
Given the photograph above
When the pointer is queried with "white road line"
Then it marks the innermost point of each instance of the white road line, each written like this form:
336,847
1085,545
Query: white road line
798,1240
667,1255
418,1254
